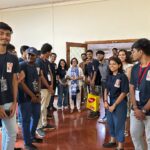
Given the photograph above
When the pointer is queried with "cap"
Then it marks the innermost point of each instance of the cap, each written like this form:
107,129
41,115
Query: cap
32,50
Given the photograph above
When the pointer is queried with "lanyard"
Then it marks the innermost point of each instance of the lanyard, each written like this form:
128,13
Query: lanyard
141,74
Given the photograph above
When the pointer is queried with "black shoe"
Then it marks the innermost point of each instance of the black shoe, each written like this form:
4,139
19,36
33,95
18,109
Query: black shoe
17,148
49,116
93,115
48,127
37,140
109,145
30,147
53,108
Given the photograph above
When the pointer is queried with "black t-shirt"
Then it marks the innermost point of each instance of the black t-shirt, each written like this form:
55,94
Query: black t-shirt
45,66
116,84
61,73
32,73
20,59
144,86
92,67
8,66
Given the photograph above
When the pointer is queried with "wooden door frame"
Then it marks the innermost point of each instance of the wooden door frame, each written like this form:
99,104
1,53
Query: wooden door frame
72,44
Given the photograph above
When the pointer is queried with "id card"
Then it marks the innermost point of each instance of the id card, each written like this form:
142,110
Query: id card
49,77
3,85
117,83
9,67
108,100
137,95
148,76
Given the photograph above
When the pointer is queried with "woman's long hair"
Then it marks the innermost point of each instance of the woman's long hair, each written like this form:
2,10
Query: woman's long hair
59,64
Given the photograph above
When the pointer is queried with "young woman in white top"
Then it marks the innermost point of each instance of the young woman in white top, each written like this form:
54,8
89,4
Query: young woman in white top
75,76
127,66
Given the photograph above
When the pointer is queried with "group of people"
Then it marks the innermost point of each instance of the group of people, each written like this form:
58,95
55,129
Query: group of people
30,82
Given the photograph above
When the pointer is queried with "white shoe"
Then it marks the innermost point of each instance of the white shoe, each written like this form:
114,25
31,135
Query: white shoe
71,111
66,107
79,110
59,108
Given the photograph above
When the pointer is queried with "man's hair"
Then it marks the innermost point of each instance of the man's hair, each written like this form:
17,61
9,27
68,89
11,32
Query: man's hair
10,48
89,50
46,48
115,49
142,44
100,52
83,54
54,54
5,26
23,48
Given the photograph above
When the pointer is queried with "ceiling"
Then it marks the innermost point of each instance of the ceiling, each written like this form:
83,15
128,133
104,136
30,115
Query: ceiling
5,4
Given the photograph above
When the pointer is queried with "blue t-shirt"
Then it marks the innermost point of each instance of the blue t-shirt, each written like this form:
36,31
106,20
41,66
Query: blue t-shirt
32,73
45,67
8,66
144,86
116,84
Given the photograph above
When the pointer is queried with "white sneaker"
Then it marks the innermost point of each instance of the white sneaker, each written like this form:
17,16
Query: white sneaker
71,111
59,108
66,107
79,110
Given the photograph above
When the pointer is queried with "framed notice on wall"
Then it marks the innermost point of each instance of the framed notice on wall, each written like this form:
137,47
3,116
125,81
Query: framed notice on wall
108,45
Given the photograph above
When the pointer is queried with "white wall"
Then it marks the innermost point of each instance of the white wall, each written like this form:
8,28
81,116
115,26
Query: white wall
103,20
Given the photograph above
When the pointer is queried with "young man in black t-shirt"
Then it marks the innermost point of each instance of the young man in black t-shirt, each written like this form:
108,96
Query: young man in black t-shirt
9,67
93,79
31,102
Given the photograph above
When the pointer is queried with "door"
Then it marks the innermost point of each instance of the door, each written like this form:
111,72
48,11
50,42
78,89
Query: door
75,50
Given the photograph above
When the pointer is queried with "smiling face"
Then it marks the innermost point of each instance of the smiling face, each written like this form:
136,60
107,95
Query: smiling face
5,37
31,58
114,66
122,56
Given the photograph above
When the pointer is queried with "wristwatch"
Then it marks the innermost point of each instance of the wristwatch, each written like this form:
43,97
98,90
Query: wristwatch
143,111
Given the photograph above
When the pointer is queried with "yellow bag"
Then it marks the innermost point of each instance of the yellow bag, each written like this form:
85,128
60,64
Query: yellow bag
93,102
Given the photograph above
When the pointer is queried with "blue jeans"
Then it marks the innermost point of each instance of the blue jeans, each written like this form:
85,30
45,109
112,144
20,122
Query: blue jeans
116,120
8,130
30,113
62,93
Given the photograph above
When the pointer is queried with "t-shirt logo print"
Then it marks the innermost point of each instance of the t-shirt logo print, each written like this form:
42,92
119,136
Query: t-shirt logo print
117,83
9,67
148,76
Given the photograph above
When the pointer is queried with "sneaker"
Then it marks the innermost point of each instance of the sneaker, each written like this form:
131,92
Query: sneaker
53,108
49,116
102,120
18,148
40,132
93,115
109,145
71,111
126,133
79,110
59,108
30,147
65,107
37,140
48,127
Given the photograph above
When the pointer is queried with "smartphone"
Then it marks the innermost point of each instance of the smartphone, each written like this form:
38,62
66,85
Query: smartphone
7,112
